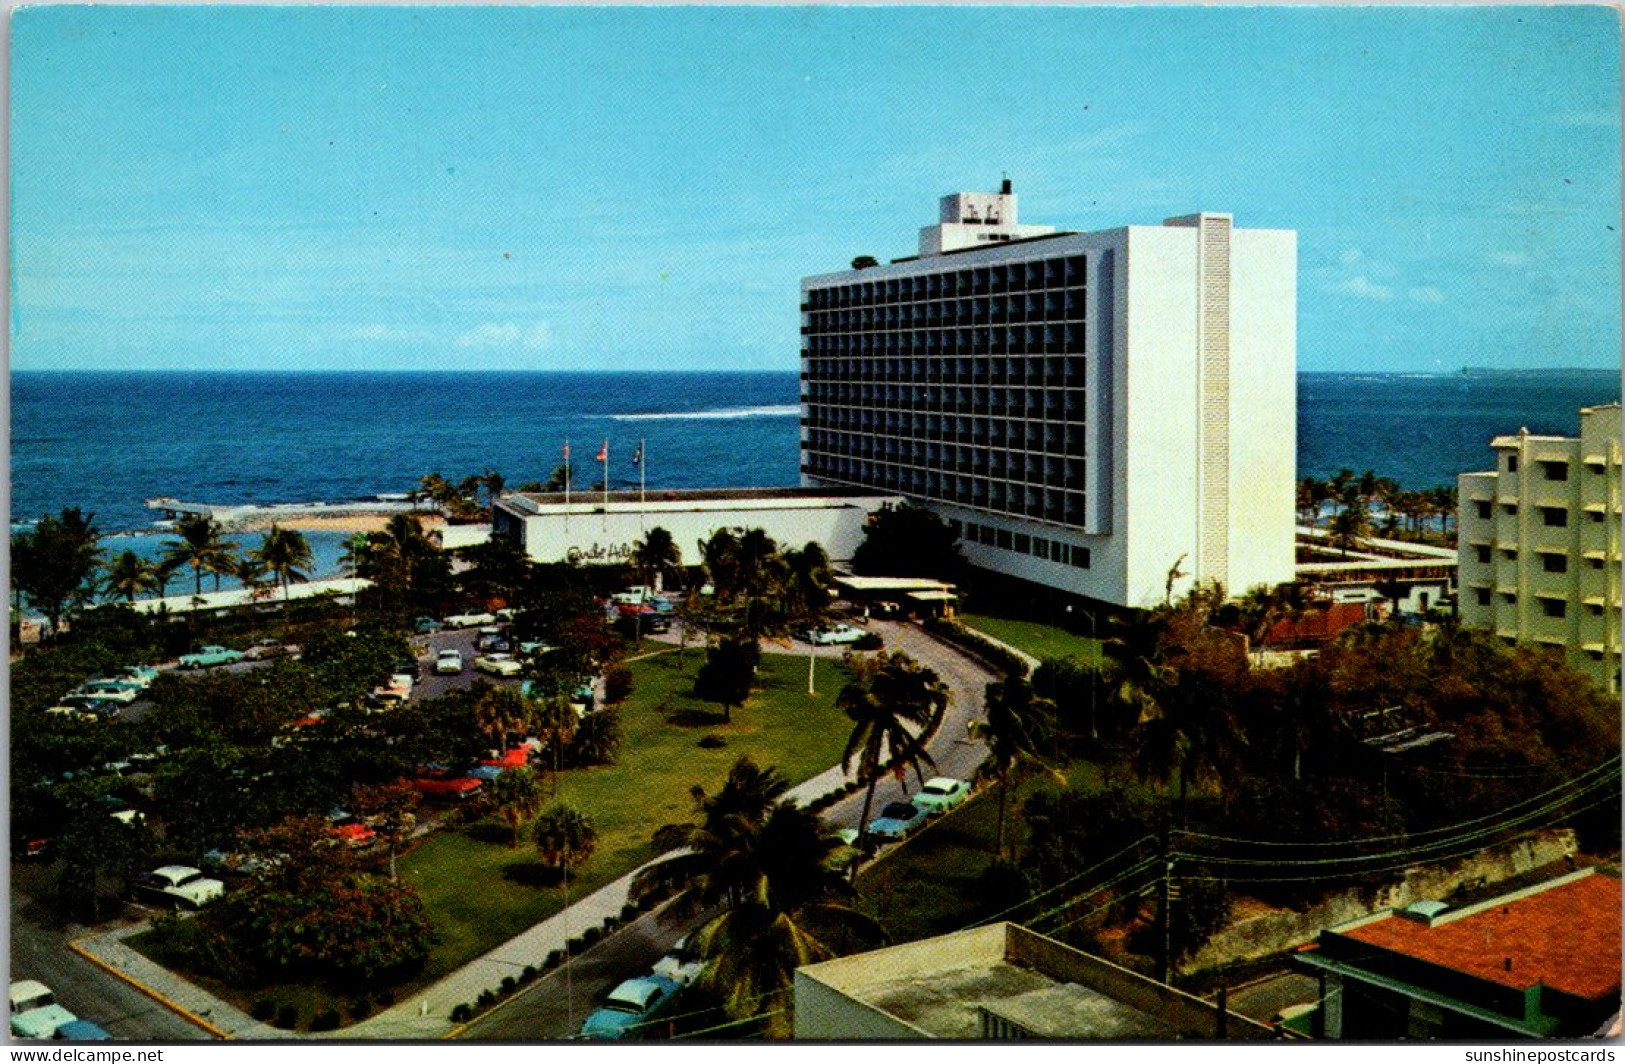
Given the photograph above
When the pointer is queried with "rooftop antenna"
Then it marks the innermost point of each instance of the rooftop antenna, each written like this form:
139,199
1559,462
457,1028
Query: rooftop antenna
1005,189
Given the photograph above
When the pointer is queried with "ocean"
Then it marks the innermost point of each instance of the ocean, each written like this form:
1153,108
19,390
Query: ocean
108,441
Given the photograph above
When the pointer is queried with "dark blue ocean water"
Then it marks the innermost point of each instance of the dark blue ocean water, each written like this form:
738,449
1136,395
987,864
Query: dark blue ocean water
107,441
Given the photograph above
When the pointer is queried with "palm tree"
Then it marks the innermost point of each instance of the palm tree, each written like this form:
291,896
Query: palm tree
354,557
251,573
128,575
285,553
719,556
795,910
565,838
891,701
555,720
201,545
1016,725
517,795
1352,523
499,711
807,595
655,555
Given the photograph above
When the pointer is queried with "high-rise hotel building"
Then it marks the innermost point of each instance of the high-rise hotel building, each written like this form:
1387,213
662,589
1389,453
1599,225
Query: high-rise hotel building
1539,543
1089,410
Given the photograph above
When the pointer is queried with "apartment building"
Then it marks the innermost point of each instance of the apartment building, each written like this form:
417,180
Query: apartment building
1539,558
1091,411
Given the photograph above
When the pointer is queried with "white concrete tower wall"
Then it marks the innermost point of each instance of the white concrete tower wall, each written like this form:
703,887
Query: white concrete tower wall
1263,407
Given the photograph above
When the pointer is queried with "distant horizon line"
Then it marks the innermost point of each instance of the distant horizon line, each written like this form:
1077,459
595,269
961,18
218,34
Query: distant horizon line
313,371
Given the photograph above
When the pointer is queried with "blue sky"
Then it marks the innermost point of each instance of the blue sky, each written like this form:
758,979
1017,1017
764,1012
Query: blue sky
556,188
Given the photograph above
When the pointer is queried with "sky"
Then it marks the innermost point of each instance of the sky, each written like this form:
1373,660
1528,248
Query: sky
643,188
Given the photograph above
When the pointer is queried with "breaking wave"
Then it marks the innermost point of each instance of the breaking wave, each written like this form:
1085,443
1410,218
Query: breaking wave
728,413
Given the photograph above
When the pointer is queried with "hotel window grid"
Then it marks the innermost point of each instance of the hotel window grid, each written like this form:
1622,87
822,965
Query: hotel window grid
963,386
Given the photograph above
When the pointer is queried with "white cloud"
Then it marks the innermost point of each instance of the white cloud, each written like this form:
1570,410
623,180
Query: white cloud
508,334
1509,258
1426,294
1362,287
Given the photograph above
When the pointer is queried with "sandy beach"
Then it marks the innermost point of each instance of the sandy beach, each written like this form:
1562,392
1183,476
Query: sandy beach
327,522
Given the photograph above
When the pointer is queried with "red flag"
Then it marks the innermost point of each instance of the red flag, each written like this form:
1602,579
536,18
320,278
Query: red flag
566,452
603,452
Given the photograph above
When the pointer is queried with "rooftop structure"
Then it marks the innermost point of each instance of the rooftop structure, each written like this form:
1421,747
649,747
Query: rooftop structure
1540,543
1542,963
1000,981
1088,410
594,528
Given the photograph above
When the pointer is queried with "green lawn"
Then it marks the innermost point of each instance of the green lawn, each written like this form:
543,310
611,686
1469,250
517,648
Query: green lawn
480,893
933,884
1040,640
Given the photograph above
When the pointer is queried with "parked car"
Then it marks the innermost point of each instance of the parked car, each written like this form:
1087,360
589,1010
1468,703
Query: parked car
427,626
456,789
34,1011
680,964
179,886
940,794
350,830
121,691
448,663
140,674
266,649
896,820
469,620
87,707
498,664
631,1005
832,635
81,1031
204,657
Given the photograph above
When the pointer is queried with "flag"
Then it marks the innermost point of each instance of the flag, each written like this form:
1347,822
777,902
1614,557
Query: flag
567,453
603,452
637,456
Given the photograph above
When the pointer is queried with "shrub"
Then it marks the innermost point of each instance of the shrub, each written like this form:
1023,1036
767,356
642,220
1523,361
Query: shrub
528,975
462,1014
996,655
573,946
386,998
611,923
553,960
712,742
617,684
509,984
591,935
360,1008
287,1017
263,1010
868,641
325,1021
629,911
486,999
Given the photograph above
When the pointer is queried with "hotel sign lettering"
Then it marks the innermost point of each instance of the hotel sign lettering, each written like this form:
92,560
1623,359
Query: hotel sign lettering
598,552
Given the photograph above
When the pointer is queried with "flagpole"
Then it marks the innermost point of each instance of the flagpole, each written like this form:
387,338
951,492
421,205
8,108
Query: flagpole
643,465
567,473
605,453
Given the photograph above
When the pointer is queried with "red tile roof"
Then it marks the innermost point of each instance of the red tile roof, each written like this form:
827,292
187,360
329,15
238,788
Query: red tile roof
1566,937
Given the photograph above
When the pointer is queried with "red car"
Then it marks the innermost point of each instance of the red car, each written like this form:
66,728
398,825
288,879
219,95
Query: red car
517,757
460,788
353,833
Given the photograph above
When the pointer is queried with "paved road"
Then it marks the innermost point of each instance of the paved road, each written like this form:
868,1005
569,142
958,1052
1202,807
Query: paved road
39,951
553,1007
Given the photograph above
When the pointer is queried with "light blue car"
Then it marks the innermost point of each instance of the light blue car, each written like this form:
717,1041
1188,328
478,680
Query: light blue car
897,820
204,657
629,1006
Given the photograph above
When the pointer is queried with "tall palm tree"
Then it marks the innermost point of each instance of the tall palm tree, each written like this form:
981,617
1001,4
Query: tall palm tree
796,909
891,701
655,555
499,712
807,595
284,553
565,838
201,545
1016,727
251,573
128,575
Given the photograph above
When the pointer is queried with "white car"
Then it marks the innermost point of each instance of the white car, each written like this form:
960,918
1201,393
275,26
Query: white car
448,663
498,664
121,691
680,964
180,886
940,794
469,620
34,1011
839,634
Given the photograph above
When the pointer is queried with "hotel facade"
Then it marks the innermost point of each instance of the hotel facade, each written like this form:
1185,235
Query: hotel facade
1539,550
1090,411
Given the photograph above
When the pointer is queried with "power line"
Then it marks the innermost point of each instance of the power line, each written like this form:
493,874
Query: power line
1065,882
